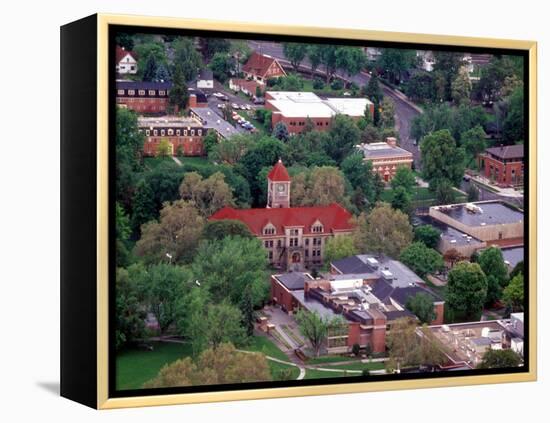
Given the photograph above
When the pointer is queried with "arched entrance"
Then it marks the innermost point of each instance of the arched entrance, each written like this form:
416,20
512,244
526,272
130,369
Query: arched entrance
295,258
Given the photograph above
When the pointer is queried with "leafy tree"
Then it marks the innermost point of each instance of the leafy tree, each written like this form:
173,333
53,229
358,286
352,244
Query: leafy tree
466,289
461,87
314,52
327,186
387,114
281,132
339,247
162,74
226,267
221,66
518,268
314,327
384,230
421,259
144,50
407,348
473,141
232,150
174,237
499,359
186,58
513,126
394,62
366,184
351,59
144,209
328,59
212,46
247,308
422,306
123,231
295,53
179,94
128,147
223,325
150,71
291,82
421,87
444,193
125,40
448,64
401,200
345,136
220,366
216,230
208,195
427,234
491,85
371,134
404,177
162,286
373,91
513,294
164,149
130,316
492,264
442,160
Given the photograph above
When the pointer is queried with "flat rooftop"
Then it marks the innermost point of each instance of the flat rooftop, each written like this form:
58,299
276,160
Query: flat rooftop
211,119
487,213
312,305
307,104
378,150
293,280
512,256
450,234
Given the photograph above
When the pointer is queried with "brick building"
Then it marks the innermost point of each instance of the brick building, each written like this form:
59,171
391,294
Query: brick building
294,108
294,237
143,97
386,157
126,61
367,301
183,133
503,165
152,97
261,67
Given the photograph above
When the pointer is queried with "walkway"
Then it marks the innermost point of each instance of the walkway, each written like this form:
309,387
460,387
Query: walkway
178,161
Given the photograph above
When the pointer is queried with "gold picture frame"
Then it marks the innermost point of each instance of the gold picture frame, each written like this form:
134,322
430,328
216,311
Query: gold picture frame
102,399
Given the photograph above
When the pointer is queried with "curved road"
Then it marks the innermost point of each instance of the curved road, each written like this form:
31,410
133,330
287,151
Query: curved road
404,111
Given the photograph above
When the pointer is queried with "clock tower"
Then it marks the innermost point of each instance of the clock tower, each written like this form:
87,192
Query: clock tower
278,186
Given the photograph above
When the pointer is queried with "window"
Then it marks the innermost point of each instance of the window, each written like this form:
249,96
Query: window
279,243
317,228
151,92
155,132
131,92
120,92
306,253
199,132
192,132
307,241
162,92
141,92
270,255
185,132
170,132
269,230
178,132
147,132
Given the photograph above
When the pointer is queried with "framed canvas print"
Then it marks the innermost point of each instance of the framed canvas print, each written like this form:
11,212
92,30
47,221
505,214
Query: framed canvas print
254,211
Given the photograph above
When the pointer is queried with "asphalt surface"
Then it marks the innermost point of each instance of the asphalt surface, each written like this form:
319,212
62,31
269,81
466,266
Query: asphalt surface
404,112
486,195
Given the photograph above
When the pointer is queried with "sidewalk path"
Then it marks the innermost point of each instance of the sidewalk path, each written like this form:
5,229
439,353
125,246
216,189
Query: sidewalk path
178,161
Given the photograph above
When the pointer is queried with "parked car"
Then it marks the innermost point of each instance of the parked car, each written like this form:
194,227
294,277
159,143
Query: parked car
242,107
235,106
258,100
247,107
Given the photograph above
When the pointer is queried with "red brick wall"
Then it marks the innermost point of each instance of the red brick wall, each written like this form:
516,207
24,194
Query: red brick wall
192,146
283,297
501,173
439,314
144,105
375,337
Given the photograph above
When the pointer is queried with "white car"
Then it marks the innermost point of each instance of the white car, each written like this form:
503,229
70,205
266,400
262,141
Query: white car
235,106
247,107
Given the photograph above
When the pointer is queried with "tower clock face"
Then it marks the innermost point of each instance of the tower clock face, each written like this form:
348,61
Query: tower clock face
280,188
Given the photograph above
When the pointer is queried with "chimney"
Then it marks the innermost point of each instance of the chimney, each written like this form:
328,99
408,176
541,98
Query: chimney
391,141
193,100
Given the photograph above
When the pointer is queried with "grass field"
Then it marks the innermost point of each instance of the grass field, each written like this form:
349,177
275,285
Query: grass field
277,368
330,359
264,345
134,367
319,374
358,366
195,161
153,162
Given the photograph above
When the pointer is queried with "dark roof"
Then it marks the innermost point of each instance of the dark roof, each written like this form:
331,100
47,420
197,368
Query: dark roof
381,290
398,314
402,295
206,74
492,213
142,85
351,264
293,280
507,151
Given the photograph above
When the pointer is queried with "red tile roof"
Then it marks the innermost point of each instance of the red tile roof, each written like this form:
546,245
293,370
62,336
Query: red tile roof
258,64
334,217
279,173
121,53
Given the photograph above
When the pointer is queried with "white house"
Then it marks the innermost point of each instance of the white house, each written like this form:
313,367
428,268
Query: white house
126,62
205,79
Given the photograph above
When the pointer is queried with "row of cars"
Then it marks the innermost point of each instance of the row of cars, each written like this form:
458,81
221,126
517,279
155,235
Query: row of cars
243,122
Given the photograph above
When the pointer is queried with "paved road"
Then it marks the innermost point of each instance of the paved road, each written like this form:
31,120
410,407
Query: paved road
403,110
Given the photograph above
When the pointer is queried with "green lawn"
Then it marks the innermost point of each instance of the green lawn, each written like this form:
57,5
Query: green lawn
134,367
264,345
153,162
319,374
195,161
358,366
330,359
277,369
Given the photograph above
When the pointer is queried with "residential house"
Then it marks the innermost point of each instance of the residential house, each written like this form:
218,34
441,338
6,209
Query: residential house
126,62
261,67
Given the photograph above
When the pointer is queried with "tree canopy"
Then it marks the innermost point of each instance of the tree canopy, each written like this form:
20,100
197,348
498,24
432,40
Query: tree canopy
466,289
